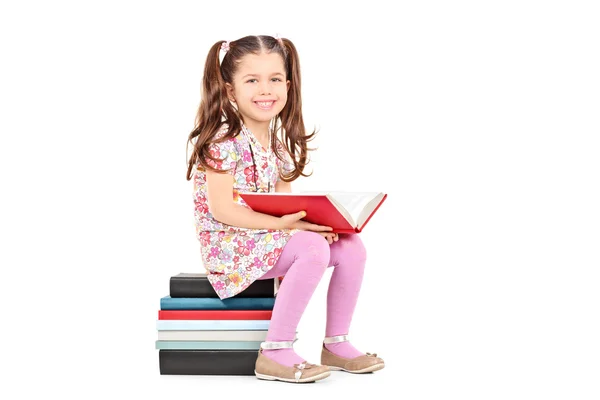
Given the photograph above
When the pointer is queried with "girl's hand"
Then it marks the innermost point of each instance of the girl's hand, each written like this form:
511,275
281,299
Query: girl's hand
293,221
330,236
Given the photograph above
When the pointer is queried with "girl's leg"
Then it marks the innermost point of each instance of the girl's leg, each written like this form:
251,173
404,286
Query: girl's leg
303,262
348,257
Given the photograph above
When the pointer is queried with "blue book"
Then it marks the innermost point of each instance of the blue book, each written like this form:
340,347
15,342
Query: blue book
206,303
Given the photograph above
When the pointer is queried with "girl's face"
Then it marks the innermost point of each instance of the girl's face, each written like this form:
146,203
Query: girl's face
259,88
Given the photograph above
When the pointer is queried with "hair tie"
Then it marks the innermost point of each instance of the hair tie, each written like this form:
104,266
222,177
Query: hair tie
225,47
279,39
224,50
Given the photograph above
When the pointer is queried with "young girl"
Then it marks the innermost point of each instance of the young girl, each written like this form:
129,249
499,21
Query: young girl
251,94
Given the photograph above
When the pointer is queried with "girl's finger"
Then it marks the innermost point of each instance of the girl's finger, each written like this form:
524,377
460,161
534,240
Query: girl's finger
317,228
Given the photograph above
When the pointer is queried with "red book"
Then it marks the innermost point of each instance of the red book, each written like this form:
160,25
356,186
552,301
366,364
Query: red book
345,212
215,314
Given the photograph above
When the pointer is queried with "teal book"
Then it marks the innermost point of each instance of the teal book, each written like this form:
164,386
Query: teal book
207,303
204,345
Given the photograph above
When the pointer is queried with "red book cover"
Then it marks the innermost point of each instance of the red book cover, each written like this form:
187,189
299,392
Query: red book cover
215,314
321,209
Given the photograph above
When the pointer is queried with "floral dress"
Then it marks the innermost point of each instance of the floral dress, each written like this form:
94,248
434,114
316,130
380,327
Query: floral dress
235,257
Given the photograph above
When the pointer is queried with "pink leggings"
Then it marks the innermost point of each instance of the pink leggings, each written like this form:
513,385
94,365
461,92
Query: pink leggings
303,262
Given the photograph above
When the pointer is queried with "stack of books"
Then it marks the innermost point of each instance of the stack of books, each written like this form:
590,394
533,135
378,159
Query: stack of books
200,334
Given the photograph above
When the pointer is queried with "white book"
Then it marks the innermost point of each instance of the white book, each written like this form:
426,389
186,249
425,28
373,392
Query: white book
211,325
225,336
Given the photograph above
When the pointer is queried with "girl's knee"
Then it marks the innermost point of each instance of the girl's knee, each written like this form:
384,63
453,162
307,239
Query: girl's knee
353,245
316,247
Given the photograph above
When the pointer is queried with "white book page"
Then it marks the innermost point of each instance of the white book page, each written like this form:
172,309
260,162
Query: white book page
368,209
354,206
358,205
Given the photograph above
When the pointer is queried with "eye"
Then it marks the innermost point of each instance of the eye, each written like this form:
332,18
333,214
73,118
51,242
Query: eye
276,79
251,81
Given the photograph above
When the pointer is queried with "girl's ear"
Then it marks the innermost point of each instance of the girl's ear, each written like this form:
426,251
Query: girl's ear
287,83
230,95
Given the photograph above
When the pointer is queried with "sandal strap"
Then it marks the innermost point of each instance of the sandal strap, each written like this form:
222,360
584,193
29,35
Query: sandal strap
336,339
278,345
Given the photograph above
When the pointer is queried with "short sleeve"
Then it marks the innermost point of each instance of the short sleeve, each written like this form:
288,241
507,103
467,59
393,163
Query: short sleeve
226,154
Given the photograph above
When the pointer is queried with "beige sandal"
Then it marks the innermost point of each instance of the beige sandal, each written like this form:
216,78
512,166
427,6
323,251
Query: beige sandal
358,365
270,370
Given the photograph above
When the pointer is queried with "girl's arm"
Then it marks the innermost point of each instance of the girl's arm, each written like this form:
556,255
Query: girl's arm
283,187
222,207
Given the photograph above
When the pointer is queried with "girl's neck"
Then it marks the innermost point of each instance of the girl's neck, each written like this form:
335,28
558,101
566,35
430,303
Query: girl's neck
260,130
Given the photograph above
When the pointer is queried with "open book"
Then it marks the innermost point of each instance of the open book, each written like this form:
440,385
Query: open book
345,212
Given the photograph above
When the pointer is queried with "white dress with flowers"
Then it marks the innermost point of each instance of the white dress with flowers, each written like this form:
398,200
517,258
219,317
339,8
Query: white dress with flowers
235,257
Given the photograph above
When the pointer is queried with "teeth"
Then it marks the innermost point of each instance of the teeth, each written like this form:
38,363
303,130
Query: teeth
264,103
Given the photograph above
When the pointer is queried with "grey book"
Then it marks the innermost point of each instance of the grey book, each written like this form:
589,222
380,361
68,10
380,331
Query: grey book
207,362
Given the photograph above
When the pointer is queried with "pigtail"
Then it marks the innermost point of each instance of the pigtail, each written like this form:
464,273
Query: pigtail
294,133
214,110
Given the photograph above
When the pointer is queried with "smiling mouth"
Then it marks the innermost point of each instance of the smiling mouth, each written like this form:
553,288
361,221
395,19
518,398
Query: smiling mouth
265,105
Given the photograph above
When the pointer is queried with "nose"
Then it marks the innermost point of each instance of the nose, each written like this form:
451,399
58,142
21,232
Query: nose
264,88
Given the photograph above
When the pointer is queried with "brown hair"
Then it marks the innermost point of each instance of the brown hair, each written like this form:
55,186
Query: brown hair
215,109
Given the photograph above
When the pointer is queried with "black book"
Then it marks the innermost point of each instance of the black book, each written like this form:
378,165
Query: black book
207,362
188,284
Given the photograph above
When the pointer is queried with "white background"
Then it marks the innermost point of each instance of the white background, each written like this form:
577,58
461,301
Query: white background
479,119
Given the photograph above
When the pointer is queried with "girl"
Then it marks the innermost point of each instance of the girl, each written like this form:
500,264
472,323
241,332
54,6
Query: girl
251,94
